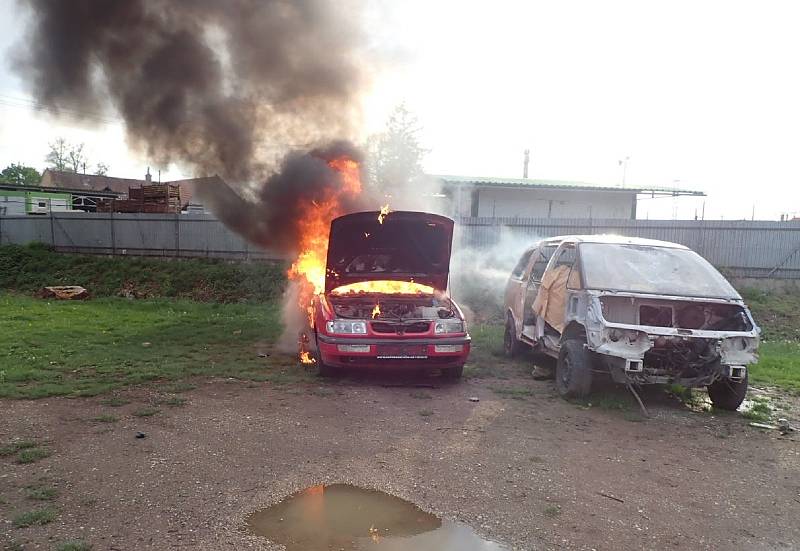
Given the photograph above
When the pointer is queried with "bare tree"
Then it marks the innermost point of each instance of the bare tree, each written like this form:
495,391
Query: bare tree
58,155
77,159
70,157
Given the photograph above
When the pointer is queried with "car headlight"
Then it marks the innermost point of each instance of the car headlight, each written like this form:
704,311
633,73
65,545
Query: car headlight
343,327
448,326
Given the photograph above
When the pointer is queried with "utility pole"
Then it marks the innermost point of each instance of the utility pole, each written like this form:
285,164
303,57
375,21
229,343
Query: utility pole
525,163
624,164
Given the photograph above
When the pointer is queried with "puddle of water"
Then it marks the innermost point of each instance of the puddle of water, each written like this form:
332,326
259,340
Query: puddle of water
340,517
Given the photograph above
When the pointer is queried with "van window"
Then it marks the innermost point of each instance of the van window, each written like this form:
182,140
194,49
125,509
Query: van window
541,262
519,269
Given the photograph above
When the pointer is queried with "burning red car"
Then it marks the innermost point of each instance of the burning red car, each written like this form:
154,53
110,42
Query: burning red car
385,302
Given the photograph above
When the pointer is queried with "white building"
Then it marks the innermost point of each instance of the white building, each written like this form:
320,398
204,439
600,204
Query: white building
528,198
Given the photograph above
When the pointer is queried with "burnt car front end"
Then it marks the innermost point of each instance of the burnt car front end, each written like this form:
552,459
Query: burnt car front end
658,314
385,302
693,342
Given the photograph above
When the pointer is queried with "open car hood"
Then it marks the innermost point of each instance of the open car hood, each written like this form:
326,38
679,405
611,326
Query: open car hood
407,246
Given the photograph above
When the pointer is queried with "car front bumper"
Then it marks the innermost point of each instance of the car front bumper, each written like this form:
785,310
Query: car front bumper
442,352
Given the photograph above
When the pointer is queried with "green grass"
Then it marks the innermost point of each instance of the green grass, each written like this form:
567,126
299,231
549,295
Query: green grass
41,516
759,410
106,418
73,546
27,269
778,314
89,347
778,365
487,358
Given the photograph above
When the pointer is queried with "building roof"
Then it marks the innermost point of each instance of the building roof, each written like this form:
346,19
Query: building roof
486,181
83,182
55,189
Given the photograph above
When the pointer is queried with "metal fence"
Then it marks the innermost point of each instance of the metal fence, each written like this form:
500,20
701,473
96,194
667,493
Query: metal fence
740,248
170,235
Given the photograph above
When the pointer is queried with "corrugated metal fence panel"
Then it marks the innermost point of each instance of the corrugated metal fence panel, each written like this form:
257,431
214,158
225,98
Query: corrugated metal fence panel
24,229
743,248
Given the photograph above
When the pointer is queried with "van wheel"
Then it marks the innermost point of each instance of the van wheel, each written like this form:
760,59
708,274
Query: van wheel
574,369
727,394
511,345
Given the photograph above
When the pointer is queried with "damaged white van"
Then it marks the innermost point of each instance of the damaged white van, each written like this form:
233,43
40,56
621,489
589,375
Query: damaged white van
640,310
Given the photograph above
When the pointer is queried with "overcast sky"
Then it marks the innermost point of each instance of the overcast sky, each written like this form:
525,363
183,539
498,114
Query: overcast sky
700,95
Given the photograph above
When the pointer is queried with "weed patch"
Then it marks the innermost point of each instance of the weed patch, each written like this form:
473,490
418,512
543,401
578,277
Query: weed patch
106,418
42,516
32,455
41,493
73,546
425,412
13,447
175,401
552,511
146,412
515,393
115,402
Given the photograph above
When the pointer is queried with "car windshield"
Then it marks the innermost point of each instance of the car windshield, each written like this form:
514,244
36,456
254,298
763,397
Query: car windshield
652,269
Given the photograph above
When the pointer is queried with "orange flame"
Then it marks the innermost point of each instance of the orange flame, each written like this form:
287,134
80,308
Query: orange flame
384,213
376,311
308,270
386,287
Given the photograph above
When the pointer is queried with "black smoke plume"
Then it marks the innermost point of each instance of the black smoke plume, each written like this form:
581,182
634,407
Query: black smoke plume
222,87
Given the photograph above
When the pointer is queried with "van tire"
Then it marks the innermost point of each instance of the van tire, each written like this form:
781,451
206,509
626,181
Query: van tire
726,394
511,345
574,369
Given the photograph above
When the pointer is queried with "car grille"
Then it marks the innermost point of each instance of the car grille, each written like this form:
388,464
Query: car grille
401,328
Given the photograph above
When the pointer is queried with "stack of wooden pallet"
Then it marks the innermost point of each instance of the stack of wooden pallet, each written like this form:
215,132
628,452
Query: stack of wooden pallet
158,198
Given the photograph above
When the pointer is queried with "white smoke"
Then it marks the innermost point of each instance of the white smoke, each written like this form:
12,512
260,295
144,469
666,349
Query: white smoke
478,275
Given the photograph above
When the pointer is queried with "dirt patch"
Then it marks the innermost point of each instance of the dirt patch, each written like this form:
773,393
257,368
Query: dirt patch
520,465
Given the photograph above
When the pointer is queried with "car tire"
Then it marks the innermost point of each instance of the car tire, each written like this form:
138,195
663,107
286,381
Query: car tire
726,394
511,345
453,373
323,369
574,369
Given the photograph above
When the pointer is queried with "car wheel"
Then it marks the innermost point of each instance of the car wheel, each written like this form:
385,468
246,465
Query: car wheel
574,369
511,345
727,394
453,372
323,369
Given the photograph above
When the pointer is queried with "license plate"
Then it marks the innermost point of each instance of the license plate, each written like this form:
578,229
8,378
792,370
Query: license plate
400,351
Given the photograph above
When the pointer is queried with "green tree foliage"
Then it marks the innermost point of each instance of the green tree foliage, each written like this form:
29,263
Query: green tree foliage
20,175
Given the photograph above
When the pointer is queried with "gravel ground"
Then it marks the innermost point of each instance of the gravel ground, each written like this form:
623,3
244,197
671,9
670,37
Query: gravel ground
522,467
